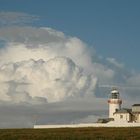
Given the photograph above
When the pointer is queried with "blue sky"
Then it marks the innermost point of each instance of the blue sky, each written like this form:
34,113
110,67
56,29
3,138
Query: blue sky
111,27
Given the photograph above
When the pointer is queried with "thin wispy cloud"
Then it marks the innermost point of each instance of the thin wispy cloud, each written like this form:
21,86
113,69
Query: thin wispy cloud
16,18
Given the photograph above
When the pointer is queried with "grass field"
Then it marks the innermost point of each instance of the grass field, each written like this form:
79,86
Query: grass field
71,134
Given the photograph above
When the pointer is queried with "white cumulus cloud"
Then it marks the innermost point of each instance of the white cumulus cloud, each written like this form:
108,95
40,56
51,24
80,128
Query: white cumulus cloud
53,66
54,80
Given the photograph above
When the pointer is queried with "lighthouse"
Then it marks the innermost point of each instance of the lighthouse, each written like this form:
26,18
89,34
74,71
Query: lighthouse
114,102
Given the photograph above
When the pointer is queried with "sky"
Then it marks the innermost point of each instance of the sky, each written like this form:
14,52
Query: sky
61,59
111,27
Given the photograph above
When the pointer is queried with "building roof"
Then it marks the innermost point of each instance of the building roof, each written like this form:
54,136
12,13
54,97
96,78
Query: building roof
136,105
104,120
123,110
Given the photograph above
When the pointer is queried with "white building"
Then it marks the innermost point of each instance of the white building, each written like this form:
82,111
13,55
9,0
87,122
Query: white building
123,115
136,112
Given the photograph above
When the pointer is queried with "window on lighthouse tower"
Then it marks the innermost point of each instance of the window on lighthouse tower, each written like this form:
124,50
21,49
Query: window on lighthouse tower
115,95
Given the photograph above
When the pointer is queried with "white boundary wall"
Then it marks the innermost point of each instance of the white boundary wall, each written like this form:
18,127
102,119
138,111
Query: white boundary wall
110,124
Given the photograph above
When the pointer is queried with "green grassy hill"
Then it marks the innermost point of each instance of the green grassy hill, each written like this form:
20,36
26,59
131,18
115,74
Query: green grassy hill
71,134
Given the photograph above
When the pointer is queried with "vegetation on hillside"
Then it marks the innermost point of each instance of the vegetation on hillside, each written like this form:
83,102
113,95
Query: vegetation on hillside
71,134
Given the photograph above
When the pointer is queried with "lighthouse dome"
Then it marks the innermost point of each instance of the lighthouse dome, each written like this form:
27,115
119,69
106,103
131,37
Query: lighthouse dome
115,91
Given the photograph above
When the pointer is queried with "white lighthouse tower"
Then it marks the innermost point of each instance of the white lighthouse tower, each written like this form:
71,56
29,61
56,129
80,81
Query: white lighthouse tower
114,102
